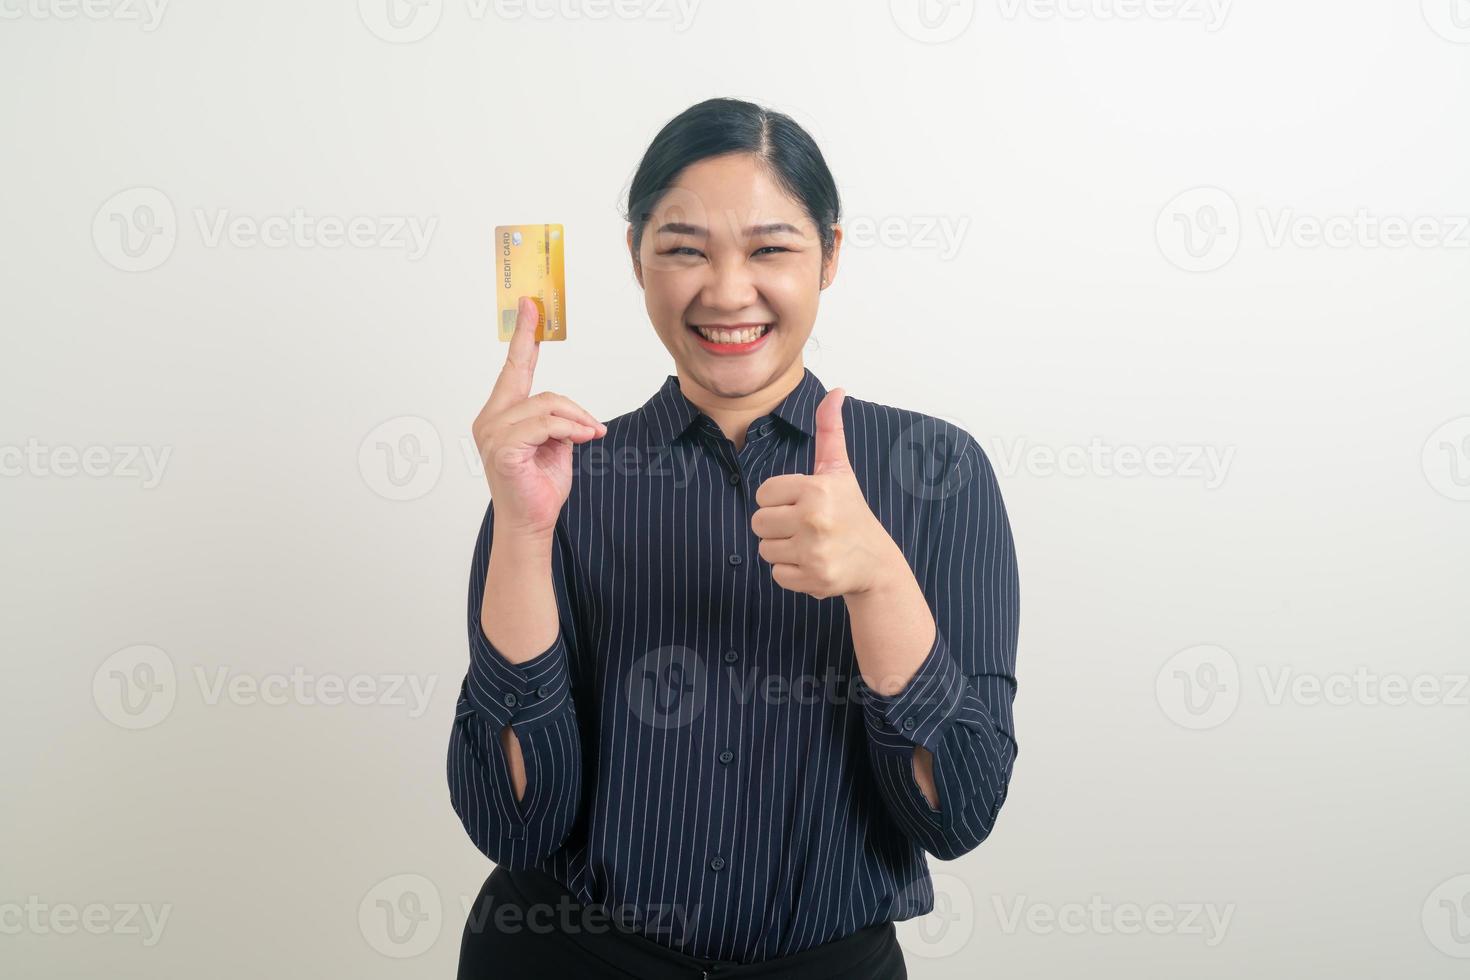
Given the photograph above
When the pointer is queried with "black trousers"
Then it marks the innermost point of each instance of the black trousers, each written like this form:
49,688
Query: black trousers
549,933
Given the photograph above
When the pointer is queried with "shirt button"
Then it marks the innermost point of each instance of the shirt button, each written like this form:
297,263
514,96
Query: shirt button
731,656
734,478
726,756
544,691
510,700
735,559
716,863
909,724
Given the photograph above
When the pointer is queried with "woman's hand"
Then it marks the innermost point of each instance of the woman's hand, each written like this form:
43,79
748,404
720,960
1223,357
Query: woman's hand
525,440
818,532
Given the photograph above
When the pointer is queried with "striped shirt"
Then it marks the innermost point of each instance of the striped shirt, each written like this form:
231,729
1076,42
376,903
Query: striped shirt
702,755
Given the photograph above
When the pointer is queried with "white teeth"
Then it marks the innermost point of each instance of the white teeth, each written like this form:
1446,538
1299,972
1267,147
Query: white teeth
732,336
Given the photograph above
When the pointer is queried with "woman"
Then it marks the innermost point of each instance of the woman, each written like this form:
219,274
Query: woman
739,657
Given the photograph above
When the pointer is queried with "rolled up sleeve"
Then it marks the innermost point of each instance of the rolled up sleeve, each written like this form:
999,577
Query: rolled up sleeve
958,704
535,699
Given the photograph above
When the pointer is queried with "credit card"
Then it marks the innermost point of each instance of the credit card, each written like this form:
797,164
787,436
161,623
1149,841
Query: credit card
530,262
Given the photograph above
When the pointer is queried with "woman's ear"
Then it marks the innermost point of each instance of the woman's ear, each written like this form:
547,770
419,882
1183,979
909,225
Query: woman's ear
829,266
633,254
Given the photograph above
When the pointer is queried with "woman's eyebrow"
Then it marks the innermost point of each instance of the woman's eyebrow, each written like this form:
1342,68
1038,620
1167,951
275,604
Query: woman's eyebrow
774,228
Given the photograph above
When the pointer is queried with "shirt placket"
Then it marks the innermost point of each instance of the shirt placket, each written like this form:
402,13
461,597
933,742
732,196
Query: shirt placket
737,502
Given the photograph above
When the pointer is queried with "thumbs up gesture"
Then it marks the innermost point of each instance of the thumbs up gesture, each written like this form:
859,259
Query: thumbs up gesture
817,531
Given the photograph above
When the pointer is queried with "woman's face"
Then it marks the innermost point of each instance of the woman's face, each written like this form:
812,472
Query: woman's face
727,246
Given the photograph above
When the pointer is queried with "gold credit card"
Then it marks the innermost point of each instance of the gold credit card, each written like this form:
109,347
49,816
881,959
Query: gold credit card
529,262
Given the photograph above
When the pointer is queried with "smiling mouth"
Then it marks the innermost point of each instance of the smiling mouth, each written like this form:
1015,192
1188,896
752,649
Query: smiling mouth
732,338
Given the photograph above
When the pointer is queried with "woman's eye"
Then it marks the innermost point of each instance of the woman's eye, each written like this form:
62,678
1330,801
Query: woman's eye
690,250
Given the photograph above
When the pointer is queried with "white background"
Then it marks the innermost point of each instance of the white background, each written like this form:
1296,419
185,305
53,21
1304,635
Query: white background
1097,239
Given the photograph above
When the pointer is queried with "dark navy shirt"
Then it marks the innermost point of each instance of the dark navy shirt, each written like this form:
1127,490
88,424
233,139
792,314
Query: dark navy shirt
702,756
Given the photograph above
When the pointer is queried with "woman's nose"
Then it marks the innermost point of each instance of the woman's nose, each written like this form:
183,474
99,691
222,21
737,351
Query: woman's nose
730,287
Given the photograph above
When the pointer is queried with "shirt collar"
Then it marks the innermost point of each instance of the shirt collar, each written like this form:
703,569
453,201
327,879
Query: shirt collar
670,412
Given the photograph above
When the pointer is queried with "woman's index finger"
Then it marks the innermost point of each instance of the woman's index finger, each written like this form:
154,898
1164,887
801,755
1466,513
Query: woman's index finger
514,383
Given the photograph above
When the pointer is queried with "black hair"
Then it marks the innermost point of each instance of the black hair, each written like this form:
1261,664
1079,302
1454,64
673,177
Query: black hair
718,126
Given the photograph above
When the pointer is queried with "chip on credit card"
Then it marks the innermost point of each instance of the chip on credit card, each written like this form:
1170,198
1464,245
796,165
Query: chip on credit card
530,262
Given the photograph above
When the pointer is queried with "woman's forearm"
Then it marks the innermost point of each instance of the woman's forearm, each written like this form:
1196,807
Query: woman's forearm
892,631
518,616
